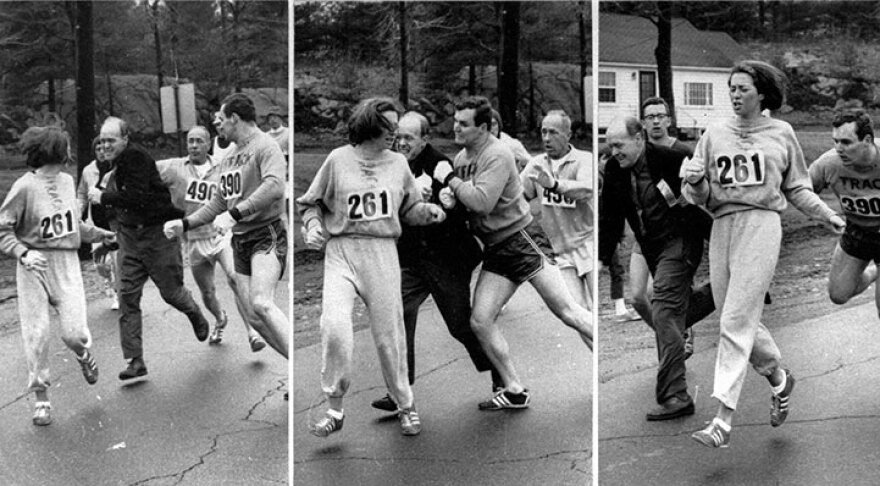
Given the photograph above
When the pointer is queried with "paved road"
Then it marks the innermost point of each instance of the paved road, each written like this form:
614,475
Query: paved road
204,415
549,443
831,436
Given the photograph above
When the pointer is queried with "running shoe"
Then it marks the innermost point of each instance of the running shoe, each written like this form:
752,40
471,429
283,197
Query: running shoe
628,316
504,399
217,333
713,436
89,367
385,403
257,344
41,413
326,426
135,368
779,403
409,421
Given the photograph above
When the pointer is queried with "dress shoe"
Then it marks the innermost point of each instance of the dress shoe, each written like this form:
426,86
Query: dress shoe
672,408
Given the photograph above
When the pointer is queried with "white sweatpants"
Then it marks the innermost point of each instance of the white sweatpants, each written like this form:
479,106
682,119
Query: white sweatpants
743,251
369,268
62,288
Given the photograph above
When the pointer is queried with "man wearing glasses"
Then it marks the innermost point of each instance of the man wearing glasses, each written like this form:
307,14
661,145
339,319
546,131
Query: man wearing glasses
656,118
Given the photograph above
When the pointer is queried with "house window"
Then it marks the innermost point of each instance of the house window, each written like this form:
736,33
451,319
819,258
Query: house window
699,94
607,87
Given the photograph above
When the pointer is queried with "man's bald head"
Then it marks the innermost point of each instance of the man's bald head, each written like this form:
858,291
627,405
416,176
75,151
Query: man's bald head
198,140
412,133
626,140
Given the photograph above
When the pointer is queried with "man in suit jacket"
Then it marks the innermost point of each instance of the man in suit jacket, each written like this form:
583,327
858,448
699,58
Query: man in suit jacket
641,184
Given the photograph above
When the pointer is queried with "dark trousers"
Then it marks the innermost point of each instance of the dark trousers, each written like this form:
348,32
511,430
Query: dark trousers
675,307
449,284
145,252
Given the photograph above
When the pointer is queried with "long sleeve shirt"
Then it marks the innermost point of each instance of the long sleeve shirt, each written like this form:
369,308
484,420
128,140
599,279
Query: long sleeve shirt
190,189
857,187
356,197
488,184
755,164
140,197
41,212
252,181
566,213
97,214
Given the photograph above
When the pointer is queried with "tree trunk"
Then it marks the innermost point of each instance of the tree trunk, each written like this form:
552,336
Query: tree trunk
404,68
85,85
472,79
663,54
509,68
50,83
157,43
531,124
584,62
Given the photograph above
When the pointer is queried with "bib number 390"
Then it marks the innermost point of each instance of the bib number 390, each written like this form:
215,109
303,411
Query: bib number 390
741,169
57,225
369,205
230,184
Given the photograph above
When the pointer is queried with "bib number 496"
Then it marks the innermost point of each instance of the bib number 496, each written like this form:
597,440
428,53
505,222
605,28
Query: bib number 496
741,169
369,205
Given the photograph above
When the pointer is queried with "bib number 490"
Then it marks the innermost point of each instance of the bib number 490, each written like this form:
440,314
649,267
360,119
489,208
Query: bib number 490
741,170
57,225
369,205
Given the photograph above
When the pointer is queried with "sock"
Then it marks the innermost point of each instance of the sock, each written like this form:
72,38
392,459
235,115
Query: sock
619,306
337,414
721,424
778,389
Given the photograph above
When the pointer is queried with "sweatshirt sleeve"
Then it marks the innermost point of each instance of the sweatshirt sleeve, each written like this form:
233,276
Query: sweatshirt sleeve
311,204
796,184
273,170
817,174
699,194
413,210
82,193
481,193
11,213
581,187
91,233
207,212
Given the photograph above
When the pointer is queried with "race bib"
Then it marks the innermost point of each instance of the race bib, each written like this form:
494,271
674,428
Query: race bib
230,184
369,205
861,205
741,170
58,225
199,191
557,200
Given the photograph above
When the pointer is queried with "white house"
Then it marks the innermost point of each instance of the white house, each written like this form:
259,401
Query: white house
701,62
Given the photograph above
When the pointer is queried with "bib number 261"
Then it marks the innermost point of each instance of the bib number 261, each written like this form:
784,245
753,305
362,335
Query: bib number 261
369,205
57,225
741,169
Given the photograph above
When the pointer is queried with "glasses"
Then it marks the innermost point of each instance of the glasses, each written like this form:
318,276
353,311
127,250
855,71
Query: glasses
658,117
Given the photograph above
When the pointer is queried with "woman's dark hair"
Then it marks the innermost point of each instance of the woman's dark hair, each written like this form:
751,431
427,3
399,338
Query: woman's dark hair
44,145
366,121
769,81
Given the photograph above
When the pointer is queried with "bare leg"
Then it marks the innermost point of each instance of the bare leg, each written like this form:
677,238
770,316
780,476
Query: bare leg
491,292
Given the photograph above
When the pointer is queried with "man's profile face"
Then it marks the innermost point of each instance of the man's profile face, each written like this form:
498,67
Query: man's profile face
274,121
625,148
466,132
226,125
555,136
197,143
409,137
112,140
656,120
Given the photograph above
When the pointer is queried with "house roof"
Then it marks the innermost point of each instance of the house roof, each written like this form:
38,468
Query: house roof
632,39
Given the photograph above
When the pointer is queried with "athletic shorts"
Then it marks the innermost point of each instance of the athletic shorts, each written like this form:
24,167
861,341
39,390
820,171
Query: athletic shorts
861,243
579,259
271,238
207,249
517,258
